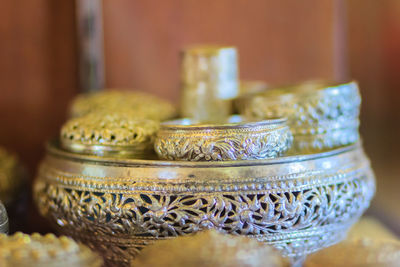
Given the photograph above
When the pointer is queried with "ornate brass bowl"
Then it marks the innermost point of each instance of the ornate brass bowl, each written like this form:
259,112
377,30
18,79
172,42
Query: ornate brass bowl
320,115
236,140
298,204
114,134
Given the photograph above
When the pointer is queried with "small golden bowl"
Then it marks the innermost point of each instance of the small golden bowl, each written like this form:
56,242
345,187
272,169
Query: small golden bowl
45,251
235,140
208,249
320,115
3,219
355,253
114,134
139,104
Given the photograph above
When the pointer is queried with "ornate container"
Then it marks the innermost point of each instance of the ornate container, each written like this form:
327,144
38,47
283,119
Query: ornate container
235,140
320,115
114,134
209,81
298,204
45,251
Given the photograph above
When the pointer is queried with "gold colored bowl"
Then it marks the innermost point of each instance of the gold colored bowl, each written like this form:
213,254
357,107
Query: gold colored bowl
115,134
236,140
209,249
320,115
45,251
141,105
298,204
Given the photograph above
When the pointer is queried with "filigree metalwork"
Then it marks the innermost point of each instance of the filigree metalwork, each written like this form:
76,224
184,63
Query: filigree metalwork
242,141
109,133
299,205
314,111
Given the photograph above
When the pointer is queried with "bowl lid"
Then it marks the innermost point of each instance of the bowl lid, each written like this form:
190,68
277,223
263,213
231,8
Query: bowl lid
115,134
141,105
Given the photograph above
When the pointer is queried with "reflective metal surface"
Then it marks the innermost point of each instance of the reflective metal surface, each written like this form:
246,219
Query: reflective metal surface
117,134
320,115
237,140
298,204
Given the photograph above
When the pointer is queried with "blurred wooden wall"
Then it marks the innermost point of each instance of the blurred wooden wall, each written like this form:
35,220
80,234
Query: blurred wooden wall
38,73
279,41
38,77
374,60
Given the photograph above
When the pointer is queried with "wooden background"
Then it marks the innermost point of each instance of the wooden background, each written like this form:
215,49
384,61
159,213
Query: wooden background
279,41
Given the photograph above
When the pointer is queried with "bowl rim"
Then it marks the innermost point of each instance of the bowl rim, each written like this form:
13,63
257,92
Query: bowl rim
53,148
291,91
235,122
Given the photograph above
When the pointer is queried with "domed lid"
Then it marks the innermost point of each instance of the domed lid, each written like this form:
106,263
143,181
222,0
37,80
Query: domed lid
116,134
47,251
209,248
140,105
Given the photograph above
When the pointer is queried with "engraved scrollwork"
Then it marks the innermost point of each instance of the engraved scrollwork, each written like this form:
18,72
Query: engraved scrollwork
232,145
266,215
320,118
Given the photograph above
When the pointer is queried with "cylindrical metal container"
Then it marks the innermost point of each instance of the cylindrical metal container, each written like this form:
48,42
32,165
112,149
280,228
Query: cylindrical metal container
209,82
298,204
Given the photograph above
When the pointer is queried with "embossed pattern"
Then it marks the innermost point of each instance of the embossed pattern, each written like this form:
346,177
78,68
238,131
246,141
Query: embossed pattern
259,141
311,113
101,133
296,215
